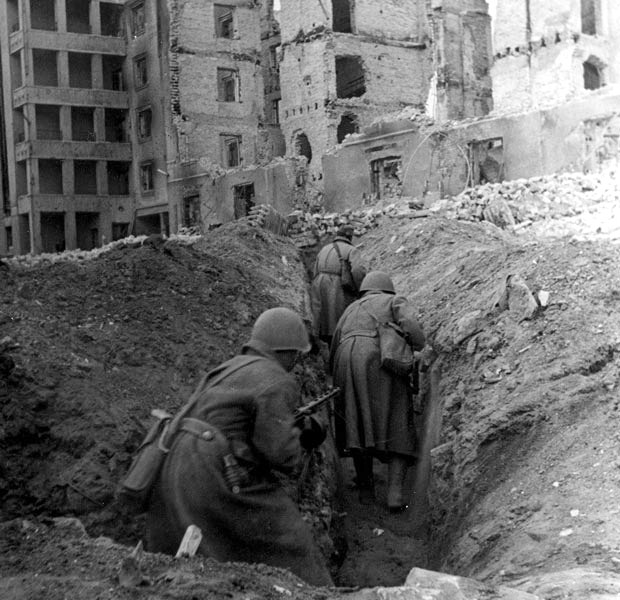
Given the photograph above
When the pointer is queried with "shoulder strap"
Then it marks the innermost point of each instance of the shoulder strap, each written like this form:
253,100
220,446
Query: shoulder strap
391,324
337,248
205,384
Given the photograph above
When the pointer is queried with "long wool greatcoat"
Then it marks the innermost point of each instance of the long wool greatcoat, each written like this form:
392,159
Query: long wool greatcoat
248,413
327,296
375,410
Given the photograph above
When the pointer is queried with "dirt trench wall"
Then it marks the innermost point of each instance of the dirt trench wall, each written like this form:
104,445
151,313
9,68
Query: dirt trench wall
524,470
89,348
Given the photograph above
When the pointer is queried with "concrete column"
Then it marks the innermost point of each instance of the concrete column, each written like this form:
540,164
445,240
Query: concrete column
65,122
36,244
30,122
33,176
99,118
105,226
24,14
27,67
102,178
70,228
68,178
97,71
95,18
63,69
61,15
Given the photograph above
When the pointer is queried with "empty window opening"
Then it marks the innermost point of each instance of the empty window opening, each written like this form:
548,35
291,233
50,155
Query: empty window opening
145,118
140,71
341,16
50,176
115,125
350,82
146,177
244,199
78,16
83,124
118,178
224,22
273,58
45,67
348,124
231,150
48,122
590,14
191,211
24,238
227,85
149,224
43,14
52,232
85,177
16,70
302,146
113,73
80,70
87,230
12,15
138,19
386,177
486,160
21,178
119,231
19,124
592,74
8,232
111,17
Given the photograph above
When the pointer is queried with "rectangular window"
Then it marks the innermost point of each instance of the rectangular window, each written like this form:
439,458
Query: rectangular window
141,74
138,18
227,85
273,58
144,124
146,177
9,238
275,112
224,26
191,211
244,196
231,150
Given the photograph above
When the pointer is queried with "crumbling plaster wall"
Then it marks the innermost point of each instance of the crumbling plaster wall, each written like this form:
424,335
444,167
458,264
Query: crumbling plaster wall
540,52
436,159
198,116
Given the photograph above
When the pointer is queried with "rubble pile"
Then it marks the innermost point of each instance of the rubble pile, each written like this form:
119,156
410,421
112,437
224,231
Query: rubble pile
519,203
307,229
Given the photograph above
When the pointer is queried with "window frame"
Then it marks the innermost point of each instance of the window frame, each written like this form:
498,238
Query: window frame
146,167
227,141
140,82
222,80
137,28
139,114
225,17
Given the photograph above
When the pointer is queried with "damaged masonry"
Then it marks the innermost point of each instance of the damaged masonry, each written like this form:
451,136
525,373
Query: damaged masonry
473,149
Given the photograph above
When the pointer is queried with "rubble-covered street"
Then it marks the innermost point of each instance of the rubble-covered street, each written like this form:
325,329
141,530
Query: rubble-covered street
522,430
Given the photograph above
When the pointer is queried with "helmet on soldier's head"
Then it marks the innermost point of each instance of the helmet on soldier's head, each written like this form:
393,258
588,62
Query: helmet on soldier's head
281,329
377,281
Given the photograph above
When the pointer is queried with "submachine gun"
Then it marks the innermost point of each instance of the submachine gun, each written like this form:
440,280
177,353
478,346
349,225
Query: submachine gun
313,406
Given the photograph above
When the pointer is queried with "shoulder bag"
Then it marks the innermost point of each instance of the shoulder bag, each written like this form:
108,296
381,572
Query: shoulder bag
346,277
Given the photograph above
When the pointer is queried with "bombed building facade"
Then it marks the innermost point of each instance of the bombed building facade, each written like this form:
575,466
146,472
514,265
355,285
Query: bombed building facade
130,116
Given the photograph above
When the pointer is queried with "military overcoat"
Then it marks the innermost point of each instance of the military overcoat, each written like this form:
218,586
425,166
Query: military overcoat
375,410
247,414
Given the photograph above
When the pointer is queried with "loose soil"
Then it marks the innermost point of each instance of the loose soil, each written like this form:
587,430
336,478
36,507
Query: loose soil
523,421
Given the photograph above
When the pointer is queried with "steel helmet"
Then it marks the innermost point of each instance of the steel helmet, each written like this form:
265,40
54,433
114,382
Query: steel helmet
281,329
379,281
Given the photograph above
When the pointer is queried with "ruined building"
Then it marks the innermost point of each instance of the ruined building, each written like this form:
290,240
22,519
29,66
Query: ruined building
116,114
345,63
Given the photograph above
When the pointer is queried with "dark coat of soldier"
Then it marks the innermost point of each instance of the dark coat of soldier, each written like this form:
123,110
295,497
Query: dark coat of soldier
328,297
247,414
374,415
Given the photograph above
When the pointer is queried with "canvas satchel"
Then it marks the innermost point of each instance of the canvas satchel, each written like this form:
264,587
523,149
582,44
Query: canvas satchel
396,353
136,488
346,277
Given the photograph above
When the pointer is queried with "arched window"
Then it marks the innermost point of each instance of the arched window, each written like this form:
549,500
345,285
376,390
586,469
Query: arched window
302,146
348,124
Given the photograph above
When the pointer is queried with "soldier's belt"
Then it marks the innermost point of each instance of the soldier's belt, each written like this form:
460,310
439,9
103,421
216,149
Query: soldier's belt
360,333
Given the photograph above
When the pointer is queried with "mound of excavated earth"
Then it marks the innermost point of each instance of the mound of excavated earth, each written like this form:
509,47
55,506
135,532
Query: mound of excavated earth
521,426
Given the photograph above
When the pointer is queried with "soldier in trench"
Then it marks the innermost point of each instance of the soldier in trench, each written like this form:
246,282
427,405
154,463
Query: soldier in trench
374,415
219,473
328,295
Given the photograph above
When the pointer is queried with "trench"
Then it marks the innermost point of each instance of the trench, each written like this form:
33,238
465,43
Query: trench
373,547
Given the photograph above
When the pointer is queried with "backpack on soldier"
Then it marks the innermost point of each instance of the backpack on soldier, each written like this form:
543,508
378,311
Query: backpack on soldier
346,277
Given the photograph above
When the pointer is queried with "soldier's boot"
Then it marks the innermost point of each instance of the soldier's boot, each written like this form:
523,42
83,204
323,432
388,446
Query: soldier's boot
397,471
364,478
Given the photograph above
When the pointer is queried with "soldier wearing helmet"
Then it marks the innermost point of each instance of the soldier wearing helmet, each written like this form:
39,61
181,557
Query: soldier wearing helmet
328,295
374,414
218,474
